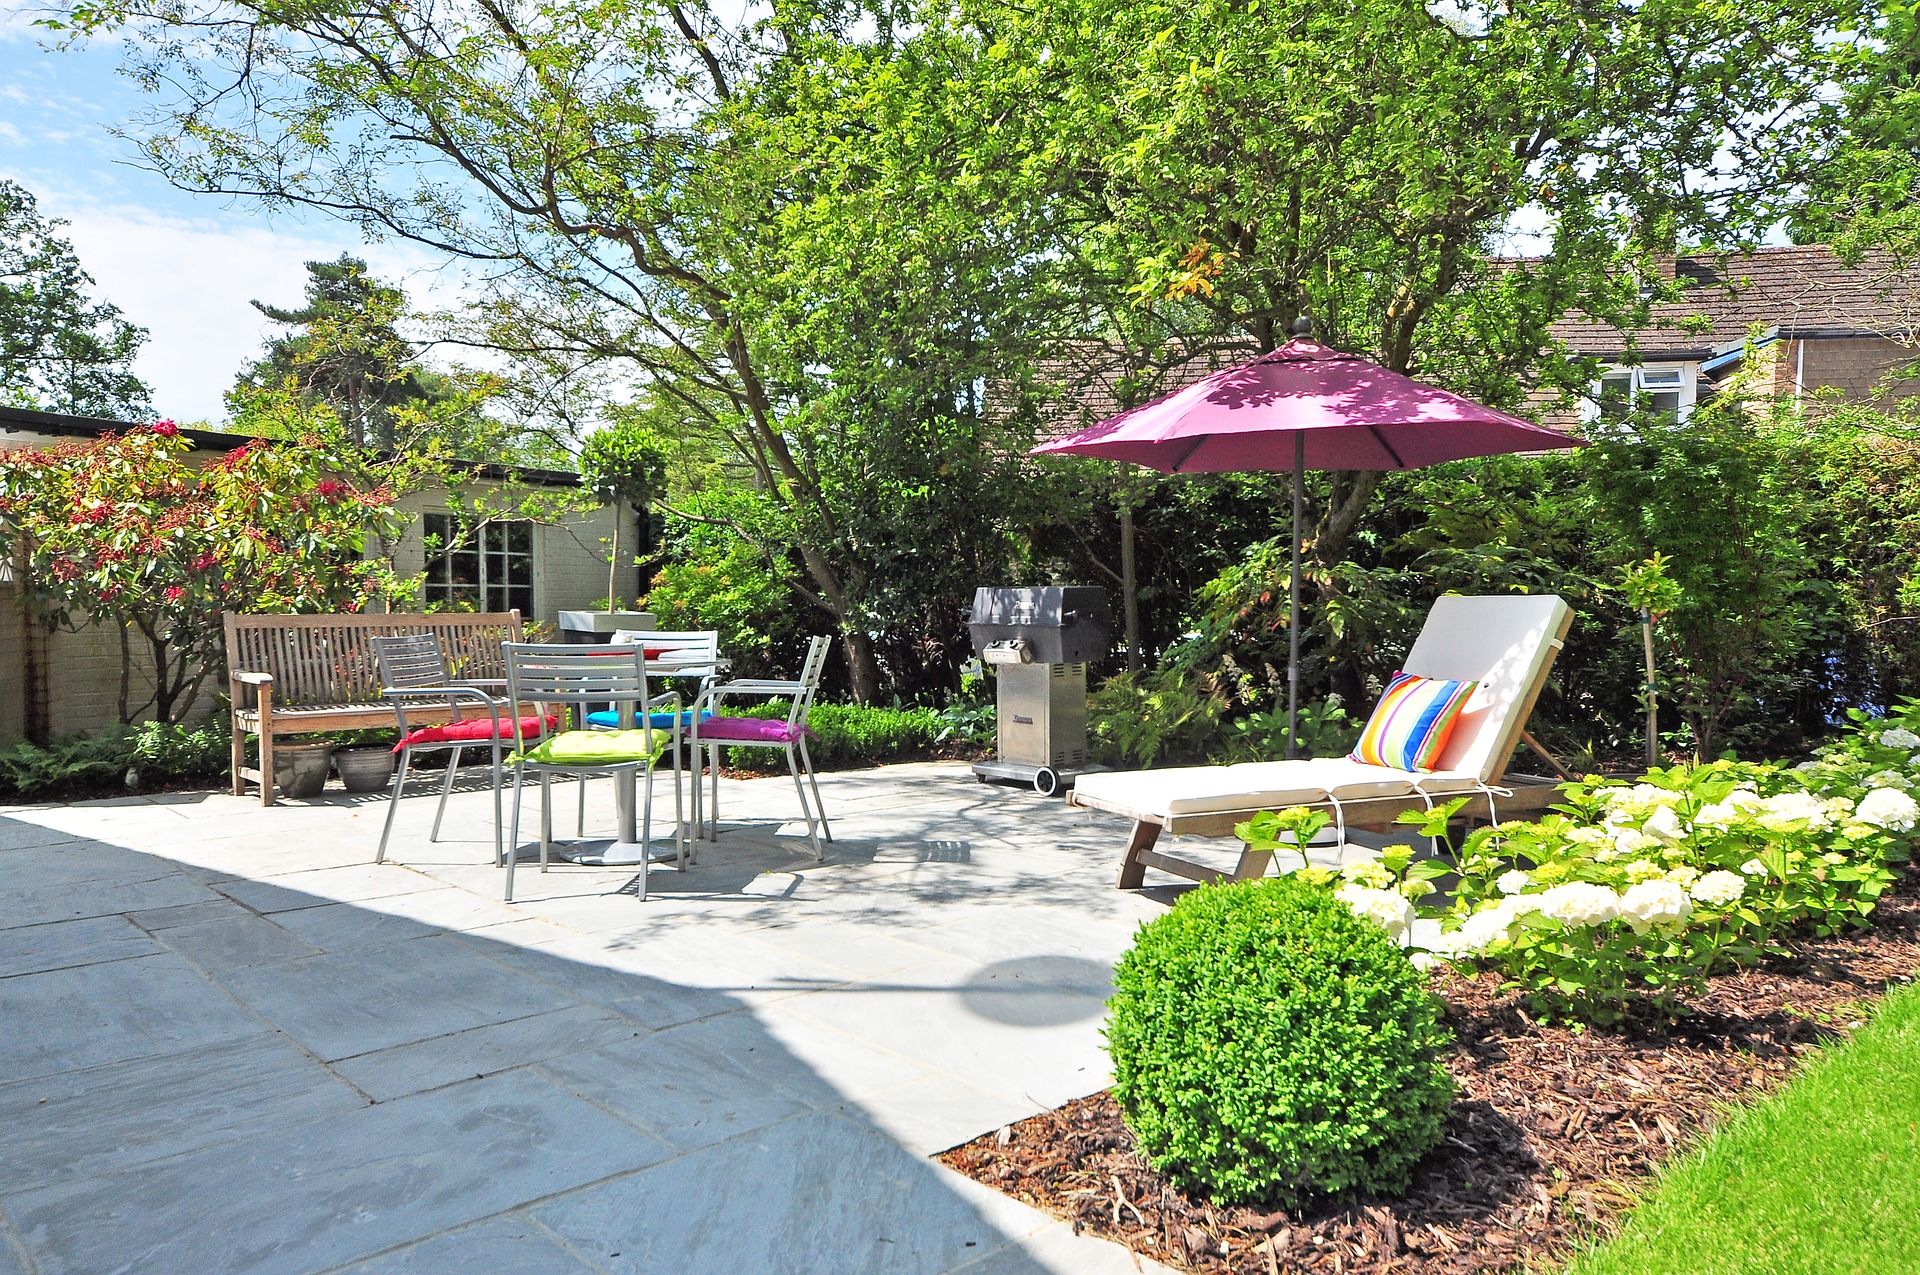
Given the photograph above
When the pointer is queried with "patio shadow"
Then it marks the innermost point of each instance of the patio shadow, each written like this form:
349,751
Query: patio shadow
205,1072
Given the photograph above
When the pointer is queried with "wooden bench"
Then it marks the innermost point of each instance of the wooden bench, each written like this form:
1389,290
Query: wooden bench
291,674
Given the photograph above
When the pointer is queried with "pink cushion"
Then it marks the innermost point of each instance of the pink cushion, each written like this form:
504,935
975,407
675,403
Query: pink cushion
480,728
749,730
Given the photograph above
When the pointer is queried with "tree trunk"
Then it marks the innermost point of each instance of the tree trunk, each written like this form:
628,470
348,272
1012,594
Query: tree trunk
1653,692
126,673
613,562
863,666
35,718
1129,589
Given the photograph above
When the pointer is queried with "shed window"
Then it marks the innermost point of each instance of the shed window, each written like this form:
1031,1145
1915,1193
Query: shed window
484,568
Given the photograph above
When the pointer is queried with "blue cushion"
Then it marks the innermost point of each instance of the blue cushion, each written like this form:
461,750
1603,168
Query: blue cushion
659,721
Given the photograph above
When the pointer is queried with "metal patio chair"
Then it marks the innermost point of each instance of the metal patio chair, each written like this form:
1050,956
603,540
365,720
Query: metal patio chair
413,671
751,732
578,680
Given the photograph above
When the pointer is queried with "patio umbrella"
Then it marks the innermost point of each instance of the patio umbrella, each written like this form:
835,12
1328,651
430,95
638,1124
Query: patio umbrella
1304,406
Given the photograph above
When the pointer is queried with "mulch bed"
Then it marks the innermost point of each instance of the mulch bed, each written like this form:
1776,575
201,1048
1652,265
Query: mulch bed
1553,1131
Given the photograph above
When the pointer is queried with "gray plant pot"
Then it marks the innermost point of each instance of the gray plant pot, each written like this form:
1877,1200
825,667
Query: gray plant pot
364,769
300,770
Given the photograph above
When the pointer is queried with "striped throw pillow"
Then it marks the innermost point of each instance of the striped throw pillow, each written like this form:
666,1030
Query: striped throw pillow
1411,725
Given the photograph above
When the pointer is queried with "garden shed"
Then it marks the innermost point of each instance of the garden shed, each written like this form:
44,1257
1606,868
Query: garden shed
66,682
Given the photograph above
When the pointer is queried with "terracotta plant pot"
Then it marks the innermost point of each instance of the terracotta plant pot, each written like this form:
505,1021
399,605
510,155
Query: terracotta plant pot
364,769
300,770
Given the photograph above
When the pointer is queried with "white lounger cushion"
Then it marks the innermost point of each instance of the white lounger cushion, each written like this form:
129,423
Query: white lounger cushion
1502,642
1264,785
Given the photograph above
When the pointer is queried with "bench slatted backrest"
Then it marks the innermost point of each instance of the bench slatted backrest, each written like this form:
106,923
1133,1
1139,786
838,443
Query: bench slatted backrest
324,660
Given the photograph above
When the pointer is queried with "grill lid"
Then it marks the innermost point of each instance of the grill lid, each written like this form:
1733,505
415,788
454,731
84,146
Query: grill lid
1062,624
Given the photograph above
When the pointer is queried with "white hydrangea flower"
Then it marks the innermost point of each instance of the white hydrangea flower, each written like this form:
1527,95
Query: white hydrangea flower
1481,930
1718,889
1899,737
1724,814
1889,808
1652,903
1425,962
1368,872
1632,805
1888,779
1633,841
1664,825
1683,876
1754,868
1383,907
1914,761
1793,812
1833,860
1642,870
1576,904
1806,766
1513,882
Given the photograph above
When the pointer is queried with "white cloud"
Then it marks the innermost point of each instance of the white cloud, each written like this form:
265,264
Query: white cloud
190,281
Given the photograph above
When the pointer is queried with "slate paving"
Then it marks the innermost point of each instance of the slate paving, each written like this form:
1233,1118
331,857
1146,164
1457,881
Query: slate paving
231,1043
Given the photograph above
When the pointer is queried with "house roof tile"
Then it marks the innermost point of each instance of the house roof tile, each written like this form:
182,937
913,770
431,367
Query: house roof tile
1805,291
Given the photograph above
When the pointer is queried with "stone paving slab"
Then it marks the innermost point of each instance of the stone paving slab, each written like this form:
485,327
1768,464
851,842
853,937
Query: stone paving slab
79,1018
259,1051
507,1245
82,1123
37,949
331,1191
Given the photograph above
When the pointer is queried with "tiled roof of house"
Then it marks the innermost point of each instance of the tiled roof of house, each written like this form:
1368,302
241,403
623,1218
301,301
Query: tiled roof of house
1087,379
1806,291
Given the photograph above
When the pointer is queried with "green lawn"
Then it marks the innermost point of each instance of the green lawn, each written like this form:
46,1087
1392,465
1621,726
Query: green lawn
1822,1177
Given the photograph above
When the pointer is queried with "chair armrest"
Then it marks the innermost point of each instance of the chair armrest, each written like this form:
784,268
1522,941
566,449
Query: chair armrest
392,693
761,686
670,697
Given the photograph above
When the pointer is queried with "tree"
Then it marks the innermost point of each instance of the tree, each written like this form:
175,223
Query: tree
623,464
1865,196
643,183
1245,163
347,352
59,349
125,529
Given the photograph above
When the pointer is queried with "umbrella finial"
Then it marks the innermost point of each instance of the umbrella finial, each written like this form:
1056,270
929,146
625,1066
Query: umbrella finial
1303,326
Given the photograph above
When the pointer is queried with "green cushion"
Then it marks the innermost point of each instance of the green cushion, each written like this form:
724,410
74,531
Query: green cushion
596,748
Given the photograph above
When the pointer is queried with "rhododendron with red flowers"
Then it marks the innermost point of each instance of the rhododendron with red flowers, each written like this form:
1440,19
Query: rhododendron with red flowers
126,530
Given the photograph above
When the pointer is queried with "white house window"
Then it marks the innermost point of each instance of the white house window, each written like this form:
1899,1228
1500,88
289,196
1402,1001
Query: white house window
489,568
1668,389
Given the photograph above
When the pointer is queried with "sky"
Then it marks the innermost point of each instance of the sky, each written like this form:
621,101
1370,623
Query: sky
182,266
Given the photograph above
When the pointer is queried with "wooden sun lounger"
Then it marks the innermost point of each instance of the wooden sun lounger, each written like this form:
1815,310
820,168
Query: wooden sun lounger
1505,643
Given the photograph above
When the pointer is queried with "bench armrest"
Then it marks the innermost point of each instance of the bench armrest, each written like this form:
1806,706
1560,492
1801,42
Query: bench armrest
249,678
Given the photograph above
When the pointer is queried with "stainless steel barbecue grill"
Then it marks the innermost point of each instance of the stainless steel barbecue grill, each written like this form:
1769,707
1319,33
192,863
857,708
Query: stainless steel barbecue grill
1038,642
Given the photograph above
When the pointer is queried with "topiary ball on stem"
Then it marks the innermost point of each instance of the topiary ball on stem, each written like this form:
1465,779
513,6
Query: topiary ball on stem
1267,1044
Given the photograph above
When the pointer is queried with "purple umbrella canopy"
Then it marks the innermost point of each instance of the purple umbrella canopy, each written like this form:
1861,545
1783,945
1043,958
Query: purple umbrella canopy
1304,406
1347,411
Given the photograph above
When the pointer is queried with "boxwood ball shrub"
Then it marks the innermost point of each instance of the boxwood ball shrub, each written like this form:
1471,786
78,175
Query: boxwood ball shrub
1268,1043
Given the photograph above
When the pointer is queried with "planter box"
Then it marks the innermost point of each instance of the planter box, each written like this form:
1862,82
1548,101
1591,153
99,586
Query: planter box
599,626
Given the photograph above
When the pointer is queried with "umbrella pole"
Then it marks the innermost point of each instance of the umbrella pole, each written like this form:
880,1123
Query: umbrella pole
1293,598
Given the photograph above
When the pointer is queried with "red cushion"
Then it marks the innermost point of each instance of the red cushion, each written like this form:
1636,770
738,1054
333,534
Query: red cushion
748,730
480,728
